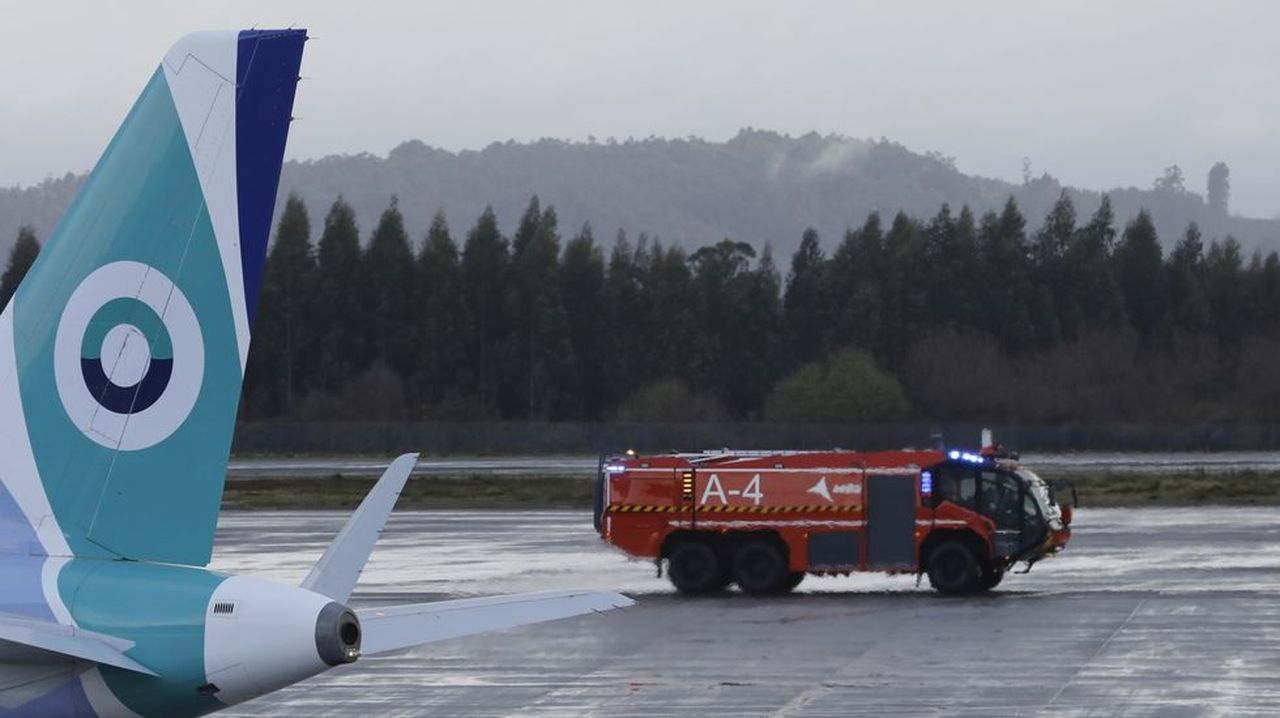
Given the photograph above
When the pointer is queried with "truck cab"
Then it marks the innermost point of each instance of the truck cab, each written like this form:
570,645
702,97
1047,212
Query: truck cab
1017,509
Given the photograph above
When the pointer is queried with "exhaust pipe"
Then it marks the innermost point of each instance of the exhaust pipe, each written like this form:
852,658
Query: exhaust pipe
337,635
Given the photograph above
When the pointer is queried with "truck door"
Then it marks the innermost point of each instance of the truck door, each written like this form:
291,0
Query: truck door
891,521
1007,501
1000,499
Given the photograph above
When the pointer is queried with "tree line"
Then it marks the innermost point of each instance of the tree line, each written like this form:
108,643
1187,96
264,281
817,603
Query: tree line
950,317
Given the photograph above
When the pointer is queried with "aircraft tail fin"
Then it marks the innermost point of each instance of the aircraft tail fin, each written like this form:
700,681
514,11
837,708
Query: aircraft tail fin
123,351
336,573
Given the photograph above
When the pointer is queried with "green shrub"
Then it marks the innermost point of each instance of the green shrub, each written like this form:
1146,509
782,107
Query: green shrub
669,400
848,386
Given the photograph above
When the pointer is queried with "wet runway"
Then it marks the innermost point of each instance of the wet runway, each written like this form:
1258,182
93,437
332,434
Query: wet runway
1150,612
515,466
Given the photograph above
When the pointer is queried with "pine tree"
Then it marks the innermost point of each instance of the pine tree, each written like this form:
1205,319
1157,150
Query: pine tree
1090,286
1139,271
740,313
965,259
338,313
1057,311
1224,286
806,309
761,354
854,288
905,296
1054,238
1006,290
1264,290
485,269
627,308
1188,304
21,257
443,323
543,354
530,222
670,306
283,349
718,270
583,289
388,283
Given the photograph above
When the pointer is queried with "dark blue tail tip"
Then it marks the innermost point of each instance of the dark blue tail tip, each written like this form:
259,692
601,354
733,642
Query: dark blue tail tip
286,34
266,79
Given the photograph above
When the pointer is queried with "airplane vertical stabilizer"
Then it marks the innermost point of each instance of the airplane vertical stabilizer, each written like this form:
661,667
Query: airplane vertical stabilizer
123,352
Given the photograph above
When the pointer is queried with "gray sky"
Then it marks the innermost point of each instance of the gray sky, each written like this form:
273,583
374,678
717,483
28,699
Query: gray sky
1099,94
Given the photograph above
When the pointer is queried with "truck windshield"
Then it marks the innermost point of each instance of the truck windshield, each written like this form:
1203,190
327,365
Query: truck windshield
1039,491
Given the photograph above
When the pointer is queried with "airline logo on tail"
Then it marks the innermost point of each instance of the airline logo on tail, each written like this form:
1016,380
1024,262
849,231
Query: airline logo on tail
128,358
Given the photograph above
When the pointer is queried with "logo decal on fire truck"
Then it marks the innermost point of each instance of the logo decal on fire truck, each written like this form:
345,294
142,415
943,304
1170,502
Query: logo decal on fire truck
820,489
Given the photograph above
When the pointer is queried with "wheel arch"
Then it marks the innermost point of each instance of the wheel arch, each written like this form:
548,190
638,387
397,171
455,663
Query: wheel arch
725,543
979,546
675,538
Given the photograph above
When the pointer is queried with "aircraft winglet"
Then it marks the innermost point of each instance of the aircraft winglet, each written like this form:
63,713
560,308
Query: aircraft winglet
336,573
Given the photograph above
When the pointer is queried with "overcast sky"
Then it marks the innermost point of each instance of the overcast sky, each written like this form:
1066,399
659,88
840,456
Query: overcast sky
1098,94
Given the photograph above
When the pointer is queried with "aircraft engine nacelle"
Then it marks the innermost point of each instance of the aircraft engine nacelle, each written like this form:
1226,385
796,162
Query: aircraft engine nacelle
261,636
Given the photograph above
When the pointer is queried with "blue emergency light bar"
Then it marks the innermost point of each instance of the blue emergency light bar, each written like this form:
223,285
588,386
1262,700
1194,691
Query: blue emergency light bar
966,457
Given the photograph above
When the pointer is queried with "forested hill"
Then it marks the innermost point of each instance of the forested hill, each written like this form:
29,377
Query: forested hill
758,187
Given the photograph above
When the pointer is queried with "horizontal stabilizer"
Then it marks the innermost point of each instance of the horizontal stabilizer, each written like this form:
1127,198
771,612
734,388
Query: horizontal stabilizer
336,573
390,629
41,641
21,683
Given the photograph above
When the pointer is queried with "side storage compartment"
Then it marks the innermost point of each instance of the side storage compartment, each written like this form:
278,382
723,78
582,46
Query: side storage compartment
835,551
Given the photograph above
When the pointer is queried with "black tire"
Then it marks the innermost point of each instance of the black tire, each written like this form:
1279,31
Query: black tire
793,580
760,568
953,569
694,568
991,579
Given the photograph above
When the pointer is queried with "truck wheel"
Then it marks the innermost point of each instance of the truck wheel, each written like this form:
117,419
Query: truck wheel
794,580
954,569
694,568
760,568
991,579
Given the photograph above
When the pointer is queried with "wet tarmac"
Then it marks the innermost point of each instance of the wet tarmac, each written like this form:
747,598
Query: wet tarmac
1150,612
586,466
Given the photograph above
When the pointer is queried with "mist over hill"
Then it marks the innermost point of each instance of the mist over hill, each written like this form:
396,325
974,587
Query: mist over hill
759,187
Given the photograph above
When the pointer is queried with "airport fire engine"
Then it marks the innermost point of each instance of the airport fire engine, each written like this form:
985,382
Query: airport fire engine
763,520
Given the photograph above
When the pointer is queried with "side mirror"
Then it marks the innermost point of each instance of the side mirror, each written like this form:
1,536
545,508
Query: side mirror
1058,487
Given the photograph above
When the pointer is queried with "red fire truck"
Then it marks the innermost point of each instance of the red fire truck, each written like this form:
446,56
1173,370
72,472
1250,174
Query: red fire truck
764,519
